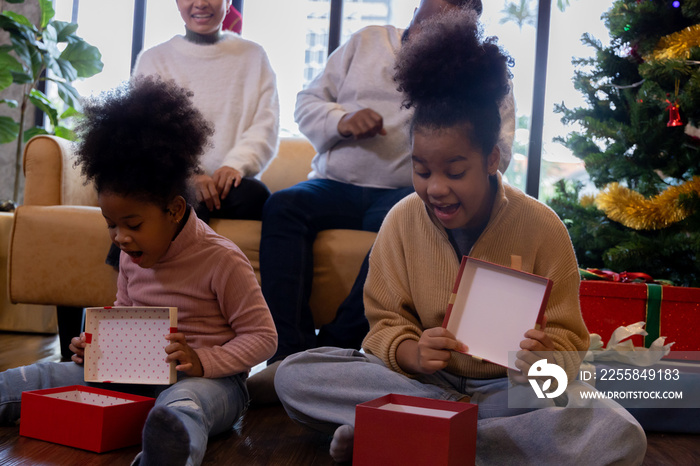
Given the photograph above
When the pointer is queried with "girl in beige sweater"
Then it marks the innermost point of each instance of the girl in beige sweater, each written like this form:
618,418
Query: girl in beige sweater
455,79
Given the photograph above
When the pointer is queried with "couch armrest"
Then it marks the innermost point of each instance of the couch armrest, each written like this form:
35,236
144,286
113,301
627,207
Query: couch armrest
53,252
51,177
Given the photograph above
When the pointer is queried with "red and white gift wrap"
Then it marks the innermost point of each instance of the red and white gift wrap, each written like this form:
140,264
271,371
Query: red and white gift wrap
127,344
669,311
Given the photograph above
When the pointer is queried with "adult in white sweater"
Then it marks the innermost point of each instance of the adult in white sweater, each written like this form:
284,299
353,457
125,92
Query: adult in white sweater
235,89
353,115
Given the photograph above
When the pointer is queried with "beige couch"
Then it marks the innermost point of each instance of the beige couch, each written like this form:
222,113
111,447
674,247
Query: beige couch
59,240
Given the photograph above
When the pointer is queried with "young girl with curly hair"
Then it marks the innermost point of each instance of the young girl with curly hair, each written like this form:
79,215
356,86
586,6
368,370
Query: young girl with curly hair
455,79
140,145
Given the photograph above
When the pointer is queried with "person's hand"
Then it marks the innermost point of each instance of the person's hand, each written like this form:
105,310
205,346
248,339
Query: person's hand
179,351
536,345
430,353
226,178
77,346
362,124
207,191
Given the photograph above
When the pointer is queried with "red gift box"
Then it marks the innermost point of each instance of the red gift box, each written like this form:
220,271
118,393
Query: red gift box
669,311
107,420
400,430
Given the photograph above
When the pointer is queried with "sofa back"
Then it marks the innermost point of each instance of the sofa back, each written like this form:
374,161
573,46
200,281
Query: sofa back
51,177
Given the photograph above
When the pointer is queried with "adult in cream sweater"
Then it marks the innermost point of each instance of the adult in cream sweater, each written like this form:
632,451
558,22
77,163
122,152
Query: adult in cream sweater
235,89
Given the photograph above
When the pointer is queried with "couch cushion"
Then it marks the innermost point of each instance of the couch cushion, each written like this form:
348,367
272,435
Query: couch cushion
246,235
290,166
338,255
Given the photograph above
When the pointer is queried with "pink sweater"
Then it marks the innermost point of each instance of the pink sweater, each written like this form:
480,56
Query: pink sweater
221,309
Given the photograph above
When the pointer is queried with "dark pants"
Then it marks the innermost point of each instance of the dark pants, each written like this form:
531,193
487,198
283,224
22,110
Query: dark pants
291,220
242,203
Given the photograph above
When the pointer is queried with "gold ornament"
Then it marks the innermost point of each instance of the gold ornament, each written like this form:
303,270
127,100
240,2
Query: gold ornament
677,45
634,211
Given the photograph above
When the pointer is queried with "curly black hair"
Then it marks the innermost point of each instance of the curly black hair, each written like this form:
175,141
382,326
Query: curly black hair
475,5
142,139
453,76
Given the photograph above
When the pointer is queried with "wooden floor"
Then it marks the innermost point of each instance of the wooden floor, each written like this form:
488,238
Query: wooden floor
265,436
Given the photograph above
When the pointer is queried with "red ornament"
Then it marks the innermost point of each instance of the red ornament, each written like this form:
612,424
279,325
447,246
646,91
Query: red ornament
674,116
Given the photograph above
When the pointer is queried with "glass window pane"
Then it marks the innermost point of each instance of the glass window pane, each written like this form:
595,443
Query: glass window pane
294,34
516,32
363,13
163,21
110,30
566,30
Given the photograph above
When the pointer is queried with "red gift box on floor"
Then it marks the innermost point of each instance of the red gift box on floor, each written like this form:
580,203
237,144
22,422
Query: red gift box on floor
400,430
669,311
84,417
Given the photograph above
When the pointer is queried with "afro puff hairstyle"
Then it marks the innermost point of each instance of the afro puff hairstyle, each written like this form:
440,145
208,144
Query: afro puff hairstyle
143,140
452,76
475,5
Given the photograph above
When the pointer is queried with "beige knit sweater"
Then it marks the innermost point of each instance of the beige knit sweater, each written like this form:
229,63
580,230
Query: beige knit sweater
413,268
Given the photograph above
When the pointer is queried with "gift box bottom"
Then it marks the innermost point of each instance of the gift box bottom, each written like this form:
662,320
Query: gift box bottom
84,417
401,430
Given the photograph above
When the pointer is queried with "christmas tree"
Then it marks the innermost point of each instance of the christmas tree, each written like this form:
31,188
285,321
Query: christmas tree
640,142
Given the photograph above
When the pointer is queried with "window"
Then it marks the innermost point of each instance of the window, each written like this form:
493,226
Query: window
295,35
107,28
566,29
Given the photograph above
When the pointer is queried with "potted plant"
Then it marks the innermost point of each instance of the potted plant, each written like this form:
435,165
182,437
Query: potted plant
46,52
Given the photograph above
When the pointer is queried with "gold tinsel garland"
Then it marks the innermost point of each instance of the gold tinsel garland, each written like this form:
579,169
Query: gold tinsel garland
634,211
677,45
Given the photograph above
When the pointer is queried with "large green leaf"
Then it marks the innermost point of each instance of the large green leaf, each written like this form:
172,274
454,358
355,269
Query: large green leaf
17,29
47,12
10,102
63,69
21,48
68,94
65,133
21,78
19,19
9,129
50,39
38,62
70,112
7,61
44,104
84,57
35,131
8,64
63,30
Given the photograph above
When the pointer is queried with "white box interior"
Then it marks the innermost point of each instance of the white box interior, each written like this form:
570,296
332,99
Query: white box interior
89,398
442,413
128,345
493,308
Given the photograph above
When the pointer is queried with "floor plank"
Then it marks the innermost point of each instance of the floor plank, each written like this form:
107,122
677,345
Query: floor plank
264,436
